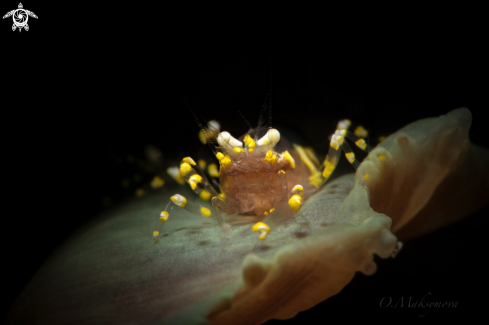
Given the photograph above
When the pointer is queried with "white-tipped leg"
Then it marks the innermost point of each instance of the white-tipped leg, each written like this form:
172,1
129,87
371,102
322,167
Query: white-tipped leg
193,175
350,156
359,142
181,201
332,158
337,142
360,132
357,136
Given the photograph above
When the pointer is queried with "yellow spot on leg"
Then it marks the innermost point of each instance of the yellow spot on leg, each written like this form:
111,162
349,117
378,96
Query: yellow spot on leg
270,157
194,180
288,156
361,144
328,169
343,125
185,169
189,160
202,164
204,195
202,137
164,216
298,190
157,182
381,157
219,156
263,228
365,177
174,172
212,170
249,143
315,179
179,200
205,212
350,156
226,162
361,132
336,141
295,202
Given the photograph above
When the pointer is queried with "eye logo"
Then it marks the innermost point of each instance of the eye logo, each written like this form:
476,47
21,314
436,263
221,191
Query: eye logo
20,17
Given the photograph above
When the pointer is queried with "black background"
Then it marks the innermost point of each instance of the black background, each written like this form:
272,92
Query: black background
88,86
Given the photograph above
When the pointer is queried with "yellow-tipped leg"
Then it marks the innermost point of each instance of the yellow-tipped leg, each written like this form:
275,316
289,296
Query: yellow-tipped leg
181,201
174,172
164,215
270,157
155,235
350,156
157,182
202,164
224,160
204,195
315,178
298,190
360,131
212,170
210,132
343,125
194,176
295,202
331,160
262,228
338,142
359,142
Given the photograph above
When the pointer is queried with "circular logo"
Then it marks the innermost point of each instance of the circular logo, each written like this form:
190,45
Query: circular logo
20,17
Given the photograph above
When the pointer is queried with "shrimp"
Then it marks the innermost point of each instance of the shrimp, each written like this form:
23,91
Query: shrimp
264,180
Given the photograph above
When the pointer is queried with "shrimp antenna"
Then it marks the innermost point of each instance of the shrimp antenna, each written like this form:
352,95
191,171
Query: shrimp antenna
202,128
262,117
270,91
267,108
196,118
205,130
244,118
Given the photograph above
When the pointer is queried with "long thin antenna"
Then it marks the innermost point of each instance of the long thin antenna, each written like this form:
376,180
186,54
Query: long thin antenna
244,118
262,118
203,128
270,97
